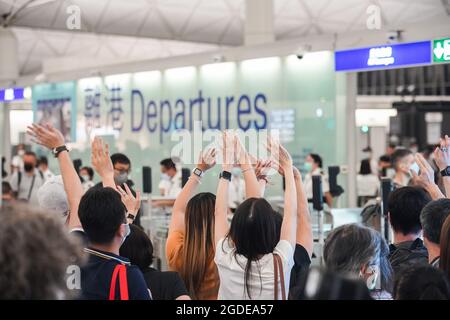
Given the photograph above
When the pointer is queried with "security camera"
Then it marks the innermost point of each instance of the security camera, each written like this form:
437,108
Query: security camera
302,51
394,36
218,58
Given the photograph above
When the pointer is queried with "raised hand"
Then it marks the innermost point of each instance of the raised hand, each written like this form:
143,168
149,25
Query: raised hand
281,158
442,154
262,168
207,159
426,173
131,202
45,135
228,150
100,159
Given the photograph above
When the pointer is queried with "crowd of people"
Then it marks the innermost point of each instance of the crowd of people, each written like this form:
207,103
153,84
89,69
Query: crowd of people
77,240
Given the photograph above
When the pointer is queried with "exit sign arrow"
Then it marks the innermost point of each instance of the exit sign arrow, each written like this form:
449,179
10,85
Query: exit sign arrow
441,50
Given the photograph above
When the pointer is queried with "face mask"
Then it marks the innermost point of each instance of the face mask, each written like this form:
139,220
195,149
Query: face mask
128,231
371,281
165,177
28,167
21,153
121,178
415,167
85,178
307,166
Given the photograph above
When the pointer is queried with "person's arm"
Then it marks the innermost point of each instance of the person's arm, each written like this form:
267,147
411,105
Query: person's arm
329,199
289,225
252,187
304,235
51,138
206,161
425,179
221,208
132,203
261,170
442,159
101,162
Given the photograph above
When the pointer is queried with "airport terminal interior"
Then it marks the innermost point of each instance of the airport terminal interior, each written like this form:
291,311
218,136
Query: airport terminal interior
225,149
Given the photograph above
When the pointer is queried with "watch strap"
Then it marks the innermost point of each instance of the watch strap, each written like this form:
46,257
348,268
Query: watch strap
59,149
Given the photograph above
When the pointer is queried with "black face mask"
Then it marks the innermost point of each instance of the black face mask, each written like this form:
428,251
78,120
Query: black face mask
28,167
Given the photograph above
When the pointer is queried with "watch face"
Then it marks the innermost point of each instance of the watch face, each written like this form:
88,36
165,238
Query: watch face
198,172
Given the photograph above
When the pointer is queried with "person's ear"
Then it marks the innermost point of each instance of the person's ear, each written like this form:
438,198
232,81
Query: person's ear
121,232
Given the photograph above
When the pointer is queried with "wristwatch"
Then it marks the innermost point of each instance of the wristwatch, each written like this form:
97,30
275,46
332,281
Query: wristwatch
446,172
198,172
56,151
131,216
225,175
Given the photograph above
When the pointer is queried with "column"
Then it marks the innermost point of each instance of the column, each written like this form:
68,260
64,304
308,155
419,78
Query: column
258,27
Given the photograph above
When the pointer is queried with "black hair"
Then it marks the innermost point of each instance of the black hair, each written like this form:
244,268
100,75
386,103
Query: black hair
422,283
432,218
317,159
392,145
398,155
30,153
120,158
168,163
43,160
404,207
255,231
101,213
89,171
365,167
385,158
6,187
138,248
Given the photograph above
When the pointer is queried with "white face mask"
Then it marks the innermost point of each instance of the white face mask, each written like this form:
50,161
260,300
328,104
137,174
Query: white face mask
21,153
128,231
371,280
165,177
415,167
85,177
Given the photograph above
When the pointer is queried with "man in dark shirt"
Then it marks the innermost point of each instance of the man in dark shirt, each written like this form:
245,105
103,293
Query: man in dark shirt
404,207
432,218
102,217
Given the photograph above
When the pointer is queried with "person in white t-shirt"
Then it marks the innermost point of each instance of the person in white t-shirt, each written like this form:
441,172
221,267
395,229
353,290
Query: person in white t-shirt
87,177
170,184
249,252
17,160
367,183
43,167
313,167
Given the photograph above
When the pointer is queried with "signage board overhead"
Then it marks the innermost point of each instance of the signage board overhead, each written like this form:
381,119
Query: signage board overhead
384,57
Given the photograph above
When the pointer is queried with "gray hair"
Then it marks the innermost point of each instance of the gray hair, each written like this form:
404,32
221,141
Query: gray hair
350,247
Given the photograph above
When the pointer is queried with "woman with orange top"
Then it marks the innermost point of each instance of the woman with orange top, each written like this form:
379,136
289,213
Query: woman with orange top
190,243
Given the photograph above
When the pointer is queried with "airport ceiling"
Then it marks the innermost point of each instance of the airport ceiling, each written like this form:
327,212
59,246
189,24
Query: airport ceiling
126,30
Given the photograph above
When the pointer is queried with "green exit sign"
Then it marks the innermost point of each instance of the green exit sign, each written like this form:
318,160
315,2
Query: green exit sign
441,50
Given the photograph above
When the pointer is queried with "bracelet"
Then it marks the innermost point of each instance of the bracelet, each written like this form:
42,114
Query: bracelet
251,168
131,216
262,177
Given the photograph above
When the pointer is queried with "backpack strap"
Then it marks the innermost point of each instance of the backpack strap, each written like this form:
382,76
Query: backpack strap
19,180
119,271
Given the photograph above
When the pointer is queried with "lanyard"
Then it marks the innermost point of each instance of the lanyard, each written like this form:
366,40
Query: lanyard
31,187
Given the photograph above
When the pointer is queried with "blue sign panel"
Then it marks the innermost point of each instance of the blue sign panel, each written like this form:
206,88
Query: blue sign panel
384,57
11,94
